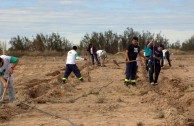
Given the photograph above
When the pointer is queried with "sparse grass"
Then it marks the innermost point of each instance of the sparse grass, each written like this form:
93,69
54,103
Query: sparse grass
139,124
101,99
143,92
119,100
181,65
190,88
160,115
71,101
84,95
94,92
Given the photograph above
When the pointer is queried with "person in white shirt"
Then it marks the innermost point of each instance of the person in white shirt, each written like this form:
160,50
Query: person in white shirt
102,56
92,51
71,66
7,65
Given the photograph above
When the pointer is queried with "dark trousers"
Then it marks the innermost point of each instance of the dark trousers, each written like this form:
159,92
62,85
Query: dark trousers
146,63
131,70
72,68
152,71
94,56
168,59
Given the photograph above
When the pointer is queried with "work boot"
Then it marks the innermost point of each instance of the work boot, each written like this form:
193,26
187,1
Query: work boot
82,80
133,84
63,81
126,83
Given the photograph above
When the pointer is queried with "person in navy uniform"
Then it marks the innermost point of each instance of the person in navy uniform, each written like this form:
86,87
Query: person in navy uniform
131,67
154,62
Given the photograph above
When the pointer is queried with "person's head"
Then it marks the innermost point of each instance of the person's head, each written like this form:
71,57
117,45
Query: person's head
1,62
74,47
135,40
90,45
160,47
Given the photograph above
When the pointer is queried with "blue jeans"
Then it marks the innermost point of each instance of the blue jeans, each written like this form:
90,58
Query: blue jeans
131,70
94,56
72,68
10,91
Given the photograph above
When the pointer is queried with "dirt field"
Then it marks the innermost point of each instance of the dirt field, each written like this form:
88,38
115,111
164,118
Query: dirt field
104,101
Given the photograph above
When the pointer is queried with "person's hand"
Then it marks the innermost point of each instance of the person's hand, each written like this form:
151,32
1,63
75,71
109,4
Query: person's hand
4,85
11,71
128,60
154,56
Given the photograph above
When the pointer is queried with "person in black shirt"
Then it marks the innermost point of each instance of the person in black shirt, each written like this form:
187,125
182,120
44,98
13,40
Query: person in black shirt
131,67
154,62
167,54
92,51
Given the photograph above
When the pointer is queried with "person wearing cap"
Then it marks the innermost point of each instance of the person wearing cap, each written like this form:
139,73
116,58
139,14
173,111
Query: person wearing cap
7,66
102,56
71,66
154,63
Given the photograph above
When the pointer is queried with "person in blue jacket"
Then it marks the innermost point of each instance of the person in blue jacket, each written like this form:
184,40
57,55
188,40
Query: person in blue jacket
147,54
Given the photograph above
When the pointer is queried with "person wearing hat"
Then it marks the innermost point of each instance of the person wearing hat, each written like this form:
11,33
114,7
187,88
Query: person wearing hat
7,66
71,66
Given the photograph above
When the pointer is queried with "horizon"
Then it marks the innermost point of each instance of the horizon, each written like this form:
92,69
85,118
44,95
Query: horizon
73,19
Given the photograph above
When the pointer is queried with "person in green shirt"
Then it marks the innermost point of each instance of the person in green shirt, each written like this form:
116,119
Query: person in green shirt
7,65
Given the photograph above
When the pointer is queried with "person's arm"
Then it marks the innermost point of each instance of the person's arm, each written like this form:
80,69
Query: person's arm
3,80
150,44
157,58
127,55
78,58
14,61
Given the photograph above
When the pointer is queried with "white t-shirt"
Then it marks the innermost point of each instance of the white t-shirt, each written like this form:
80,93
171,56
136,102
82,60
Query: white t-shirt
164,51
138,62
72,56
91,50
6,66
101,53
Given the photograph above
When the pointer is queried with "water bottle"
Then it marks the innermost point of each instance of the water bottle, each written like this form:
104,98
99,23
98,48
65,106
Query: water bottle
62,90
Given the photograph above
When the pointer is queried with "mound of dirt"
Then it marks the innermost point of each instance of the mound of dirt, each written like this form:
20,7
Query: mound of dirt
55,73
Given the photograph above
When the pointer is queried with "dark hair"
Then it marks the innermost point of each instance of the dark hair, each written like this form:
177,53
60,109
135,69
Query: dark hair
74,47
1,60
135,38
160,45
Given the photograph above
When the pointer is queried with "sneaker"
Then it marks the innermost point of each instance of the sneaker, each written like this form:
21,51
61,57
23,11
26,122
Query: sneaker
152,83
133,84
156,83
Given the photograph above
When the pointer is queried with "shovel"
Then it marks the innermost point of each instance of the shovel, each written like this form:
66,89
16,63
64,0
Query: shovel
5,89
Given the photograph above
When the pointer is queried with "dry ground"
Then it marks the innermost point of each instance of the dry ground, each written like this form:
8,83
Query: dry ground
103,101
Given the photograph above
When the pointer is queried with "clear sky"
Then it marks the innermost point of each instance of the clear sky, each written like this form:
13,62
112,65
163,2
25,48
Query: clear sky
74,18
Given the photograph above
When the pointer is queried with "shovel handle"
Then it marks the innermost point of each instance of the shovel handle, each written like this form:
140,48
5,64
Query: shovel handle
5,89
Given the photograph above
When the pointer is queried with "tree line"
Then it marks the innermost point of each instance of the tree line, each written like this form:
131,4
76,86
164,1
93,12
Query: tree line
108,40
41,43
113,42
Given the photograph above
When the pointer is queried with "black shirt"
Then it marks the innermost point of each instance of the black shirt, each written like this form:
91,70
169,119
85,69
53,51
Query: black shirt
156,53
133,51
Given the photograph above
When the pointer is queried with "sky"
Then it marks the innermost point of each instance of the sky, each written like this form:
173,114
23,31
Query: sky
74,18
